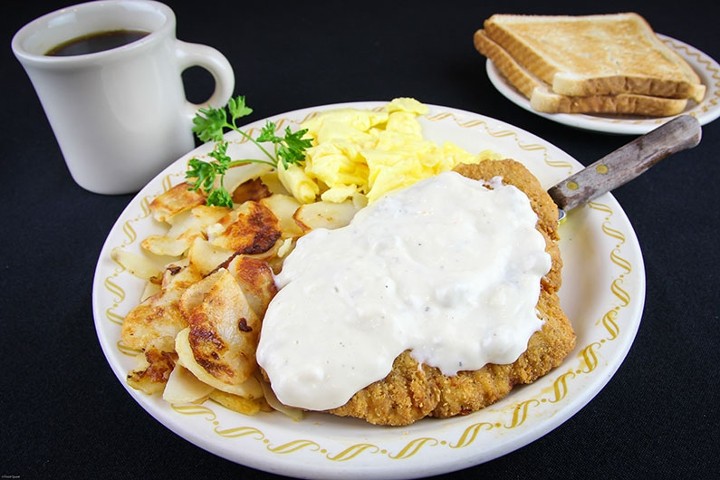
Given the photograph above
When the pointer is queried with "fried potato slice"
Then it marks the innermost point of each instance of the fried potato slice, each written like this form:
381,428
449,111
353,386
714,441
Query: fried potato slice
250,388
162,245
236,403
184,387
206,257
252,228
324,214
224,330
191,223
155,366
175,200
159,315
274,184
234,177
284,208
253,189
138,264
186,227
255,278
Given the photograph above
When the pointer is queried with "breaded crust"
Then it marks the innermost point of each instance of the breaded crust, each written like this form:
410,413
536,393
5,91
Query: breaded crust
412,391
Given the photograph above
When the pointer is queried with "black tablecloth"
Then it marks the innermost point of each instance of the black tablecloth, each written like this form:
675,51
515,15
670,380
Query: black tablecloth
64,413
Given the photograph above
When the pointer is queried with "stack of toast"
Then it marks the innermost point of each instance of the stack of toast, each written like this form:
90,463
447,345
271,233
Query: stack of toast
604,64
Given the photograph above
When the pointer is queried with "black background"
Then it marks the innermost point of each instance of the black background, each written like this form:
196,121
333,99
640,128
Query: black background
65,415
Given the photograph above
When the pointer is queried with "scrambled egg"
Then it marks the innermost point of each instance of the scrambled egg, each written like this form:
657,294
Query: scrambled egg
360,155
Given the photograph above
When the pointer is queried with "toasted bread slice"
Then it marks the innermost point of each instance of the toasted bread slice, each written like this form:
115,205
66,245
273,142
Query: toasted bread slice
543,99
586,55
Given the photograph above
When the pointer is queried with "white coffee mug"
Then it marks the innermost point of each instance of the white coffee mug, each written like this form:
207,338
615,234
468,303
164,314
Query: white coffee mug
120,116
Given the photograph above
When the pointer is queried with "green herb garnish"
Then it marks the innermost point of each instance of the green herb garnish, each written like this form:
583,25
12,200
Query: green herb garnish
211,124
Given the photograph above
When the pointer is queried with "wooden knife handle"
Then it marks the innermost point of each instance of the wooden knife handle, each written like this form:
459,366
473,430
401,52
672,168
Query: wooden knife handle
627,162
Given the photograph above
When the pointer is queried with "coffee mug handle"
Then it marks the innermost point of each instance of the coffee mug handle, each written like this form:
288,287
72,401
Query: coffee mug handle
203,56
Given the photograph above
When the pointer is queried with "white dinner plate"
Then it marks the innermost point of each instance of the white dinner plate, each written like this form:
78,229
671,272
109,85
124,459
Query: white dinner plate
603,294
706,111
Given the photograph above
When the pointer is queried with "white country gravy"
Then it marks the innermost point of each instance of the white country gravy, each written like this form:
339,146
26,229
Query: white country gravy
446,268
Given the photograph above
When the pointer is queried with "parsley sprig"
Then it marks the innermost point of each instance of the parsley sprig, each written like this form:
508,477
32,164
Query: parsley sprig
211,124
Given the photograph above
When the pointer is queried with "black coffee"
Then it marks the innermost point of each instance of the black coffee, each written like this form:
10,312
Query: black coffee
96,42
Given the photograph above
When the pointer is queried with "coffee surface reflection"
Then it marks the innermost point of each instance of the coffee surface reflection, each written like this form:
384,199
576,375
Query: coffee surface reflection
96,42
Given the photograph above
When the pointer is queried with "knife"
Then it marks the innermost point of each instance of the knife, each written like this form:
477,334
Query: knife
626,163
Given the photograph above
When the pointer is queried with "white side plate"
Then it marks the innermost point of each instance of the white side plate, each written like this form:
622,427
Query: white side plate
708,110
